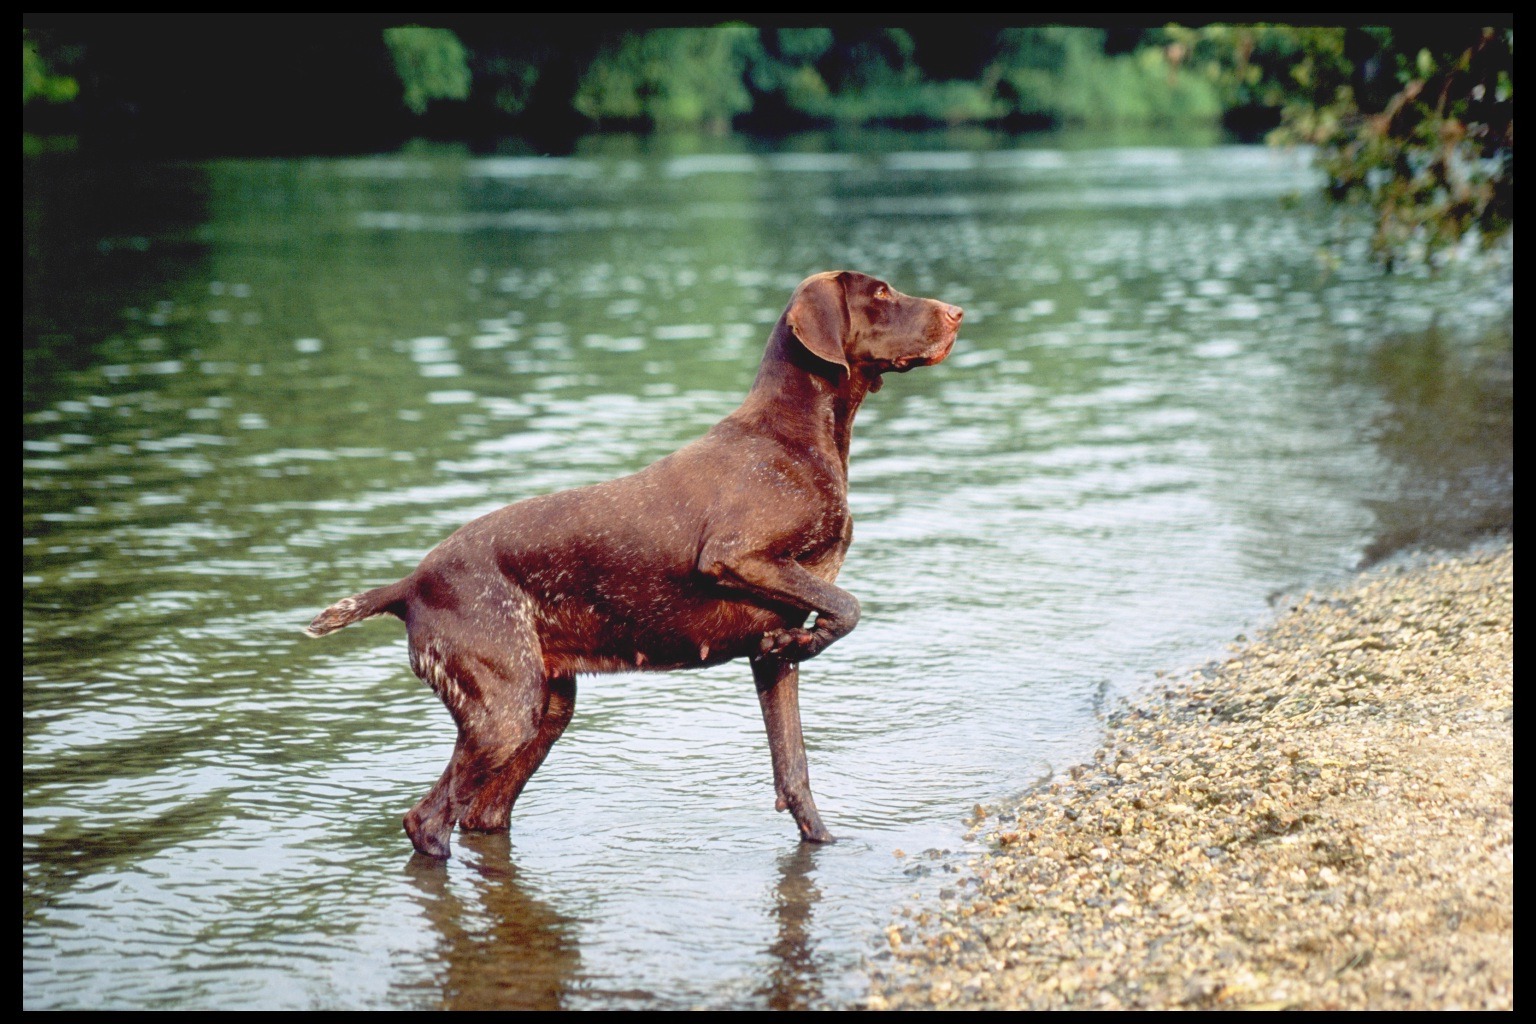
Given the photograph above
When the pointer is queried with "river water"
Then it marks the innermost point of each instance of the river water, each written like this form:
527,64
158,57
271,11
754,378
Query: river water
253,387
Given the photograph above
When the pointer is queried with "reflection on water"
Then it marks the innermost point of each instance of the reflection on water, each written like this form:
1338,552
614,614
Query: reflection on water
794,970
1447,425
501,950
250,388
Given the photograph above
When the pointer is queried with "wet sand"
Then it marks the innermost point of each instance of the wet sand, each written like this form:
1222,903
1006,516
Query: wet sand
1323,821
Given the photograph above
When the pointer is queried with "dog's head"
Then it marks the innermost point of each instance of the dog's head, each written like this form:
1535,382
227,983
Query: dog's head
863,325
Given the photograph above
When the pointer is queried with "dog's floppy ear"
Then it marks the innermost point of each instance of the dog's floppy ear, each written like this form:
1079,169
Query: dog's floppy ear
818,314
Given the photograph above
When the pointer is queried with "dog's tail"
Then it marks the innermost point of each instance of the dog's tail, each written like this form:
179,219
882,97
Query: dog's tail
362,606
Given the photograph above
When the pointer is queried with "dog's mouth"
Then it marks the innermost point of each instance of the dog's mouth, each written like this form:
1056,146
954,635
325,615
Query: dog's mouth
933,354
932,357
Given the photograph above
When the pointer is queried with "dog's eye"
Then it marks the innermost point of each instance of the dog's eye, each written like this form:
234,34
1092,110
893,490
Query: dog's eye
882,292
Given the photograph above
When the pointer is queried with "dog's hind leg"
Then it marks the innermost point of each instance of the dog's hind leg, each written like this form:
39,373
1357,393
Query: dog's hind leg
430,822
491,808
490,676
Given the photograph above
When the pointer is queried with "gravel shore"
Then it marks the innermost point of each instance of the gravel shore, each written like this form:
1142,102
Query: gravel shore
1324,821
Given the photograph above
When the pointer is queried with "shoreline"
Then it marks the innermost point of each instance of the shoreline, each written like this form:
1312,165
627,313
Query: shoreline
1325,820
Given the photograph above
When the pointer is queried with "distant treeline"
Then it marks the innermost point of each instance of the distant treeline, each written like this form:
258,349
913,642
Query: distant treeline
254,83
1414,118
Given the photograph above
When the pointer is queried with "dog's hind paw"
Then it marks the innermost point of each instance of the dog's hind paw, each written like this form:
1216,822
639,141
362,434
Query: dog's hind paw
429,840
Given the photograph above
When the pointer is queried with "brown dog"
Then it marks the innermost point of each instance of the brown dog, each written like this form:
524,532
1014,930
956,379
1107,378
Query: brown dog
718,551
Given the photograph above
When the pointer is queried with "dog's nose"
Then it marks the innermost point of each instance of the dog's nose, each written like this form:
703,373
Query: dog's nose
954,313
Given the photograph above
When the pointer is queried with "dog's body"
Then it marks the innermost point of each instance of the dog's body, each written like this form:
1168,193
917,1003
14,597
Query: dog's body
718,551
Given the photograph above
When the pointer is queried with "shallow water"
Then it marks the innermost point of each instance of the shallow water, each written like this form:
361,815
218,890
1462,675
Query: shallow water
251,388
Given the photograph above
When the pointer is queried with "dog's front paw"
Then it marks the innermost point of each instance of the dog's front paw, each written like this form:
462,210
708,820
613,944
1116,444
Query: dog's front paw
792,644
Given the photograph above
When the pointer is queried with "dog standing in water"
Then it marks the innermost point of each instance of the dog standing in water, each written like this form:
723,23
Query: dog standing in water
721,550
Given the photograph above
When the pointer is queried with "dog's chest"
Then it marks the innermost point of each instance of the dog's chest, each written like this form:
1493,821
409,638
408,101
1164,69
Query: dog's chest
825,541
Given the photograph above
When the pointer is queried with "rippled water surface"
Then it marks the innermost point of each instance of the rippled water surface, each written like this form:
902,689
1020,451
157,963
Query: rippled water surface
252,388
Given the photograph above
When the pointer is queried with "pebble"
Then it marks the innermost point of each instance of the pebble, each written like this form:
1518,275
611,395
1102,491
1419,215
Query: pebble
1324,821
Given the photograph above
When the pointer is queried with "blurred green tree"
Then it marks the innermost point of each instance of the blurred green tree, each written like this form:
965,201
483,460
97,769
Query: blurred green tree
431,62
670,78
1061,74
782,72
38,80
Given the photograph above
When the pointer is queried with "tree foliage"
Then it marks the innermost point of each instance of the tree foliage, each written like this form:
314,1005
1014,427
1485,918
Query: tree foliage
431,62
1417,124
1437,161
39,82
670,78
1063,74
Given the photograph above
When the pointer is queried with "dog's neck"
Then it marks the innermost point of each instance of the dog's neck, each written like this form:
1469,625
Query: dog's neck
798,391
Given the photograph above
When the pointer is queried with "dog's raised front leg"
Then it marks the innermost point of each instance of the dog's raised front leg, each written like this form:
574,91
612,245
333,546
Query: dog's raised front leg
790,583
